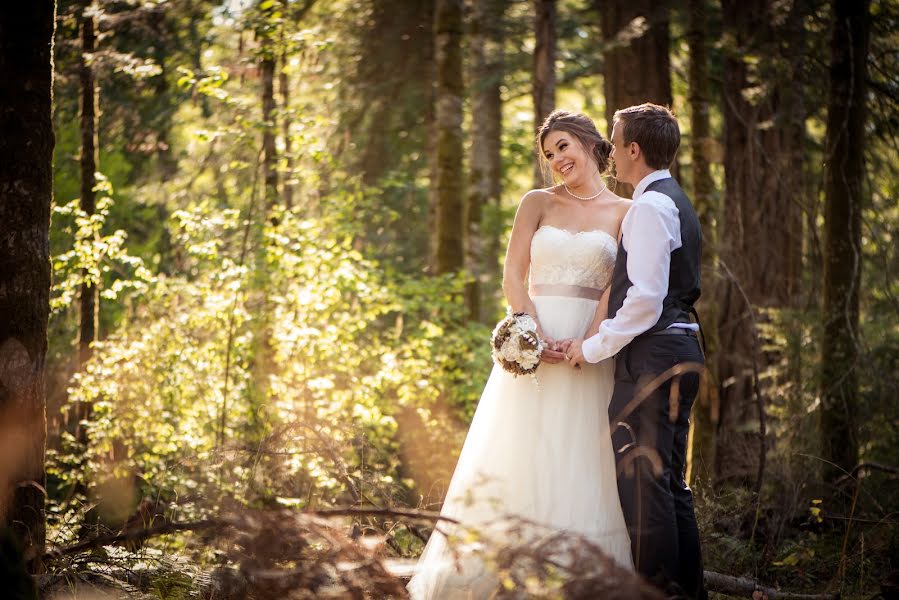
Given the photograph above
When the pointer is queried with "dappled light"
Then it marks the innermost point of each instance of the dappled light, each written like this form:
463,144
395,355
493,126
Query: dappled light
252,253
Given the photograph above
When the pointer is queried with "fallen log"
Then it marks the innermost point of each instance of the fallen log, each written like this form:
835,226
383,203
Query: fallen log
744,587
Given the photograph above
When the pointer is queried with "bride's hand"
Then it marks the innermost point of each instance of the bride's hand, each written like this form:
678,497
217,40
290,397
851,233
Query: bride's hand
551,353
564,345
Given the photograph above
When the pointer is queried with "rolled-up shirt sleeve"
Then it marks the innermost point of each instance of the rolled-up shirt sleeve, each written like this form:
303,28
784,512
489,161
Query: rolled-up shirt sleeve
651,232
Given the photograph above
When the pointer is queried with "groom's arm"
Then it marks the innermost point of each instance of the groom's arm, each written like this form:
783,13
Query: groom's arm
651,232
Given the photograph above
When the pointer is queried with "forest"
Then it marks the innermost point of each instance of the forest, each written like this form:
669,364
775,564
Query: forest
251,257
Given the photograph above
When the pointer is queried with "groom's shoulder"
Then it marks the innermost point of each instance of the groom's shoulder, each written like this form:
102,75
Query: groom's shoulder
656,200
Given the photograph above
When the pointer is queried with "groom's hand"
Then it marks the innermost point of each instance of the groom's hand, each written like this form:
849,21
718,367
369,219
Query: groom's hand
575,354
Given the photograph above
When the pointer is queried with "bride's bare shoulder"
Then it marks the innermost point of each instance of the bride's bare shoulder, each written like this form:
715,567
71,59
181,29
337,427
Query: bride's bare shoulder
621,205
543,194
539,198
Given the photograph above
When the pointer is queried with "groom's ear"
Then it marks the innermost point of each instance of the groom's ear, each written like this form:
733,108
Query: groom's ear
634,150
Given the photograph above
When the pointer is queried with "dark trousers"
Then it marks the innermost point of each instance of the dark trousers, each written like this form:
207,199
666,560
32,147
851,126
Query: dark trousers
650,443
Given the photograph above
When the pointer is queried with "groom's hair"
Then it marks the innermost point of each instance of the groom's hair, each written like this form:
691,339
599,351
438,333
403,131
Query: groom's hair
654,128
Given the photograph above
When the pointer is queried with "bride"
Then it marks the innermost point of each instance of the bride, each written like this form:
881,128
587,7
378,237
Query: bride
540,451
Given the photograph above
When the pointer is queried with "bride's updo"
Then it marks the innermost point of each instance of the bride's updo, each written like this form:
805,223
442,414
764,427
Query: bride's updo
581,127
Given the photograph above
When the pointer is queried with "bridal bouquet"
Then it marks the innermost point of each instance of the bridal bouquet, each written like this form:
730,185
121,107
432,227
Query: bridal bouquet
516,345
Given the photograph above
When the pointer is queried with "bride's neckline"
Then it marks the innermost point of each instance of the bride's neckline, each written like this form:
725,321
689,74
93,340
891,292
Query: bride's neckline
577,233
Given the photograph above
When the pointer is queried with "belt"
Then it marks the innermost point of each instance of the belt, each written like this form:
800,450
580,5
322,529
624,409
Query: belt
563,289
674,331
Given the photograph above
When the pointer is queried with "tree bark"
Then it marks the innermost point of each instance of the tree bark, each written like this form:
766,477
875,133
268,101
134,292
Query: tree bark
269,154
705,412
390,130
843,195
485,174
90,153
284,88
26,190
637,60
267,62
544,87
449,181
761,231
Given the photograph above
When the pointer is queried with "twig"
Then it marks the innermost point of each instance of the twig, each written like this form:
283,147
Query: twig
869,466
384,512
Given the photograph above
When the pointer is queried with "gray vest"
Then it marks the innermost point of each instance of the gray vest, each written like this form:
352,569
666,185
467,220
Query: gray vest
683,279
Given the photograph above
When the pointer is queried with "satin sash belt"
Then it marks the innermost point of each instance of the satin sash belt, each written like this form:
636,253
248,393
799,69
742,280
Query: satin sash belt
562,289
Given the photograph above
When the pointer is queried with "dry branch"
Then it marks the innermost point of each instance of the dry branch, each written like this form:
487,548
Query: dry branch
115,539
164,528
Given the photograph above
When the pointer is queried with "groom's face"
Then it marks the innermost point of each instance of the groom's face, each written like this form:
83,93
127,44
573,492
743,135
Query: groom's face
623,164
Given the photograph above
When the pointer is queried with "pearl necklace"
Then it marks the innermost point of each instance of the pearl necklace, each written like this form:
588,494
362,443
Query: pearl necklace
596,195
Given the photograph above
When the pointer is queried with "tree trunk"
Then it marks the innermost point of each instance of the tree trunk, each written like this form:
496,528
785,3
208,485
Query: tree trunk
637,60
267,53
26,190
544,89
843,195
284,88
705,412
449,151
286,115
486,162
390,130
761,235
269,155
89,297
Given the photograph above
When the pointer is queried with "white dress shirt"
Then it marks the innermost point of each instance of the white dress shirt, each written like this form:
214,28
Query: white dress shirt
651,230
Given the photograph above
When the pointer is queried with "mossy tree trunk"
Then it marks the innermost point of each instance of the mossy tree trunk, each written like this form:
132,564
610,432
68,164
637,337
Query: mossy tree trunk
544,86
449,179
485,172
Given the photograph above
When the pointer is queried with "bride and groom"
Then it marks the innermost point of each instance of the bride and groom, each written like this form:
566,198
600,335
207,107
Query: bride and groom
612,284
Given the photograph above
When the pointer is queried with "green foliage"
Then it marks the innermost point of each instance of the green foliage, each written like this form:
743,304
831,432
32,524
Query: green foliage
351,349
301,357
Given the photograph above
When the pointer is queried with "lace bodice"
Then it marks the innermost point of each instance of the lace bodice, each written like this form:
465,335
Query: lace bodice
584,258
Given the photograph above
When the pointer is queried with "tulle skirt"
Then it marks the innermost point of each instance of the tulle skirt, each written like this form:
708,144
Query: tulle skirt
537,450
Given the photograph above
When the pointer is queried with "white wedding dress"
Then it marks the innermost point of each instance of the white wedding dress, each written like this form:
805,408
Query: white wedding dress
539,450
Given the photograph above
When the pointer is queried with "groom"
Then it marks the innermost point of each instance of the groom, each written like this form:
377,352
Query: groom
649,331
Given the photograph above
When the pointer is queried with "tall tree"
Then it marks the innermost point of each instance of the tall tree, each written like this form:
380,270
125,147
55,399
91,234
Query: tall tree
544,85
90,153
485,172
448,180
760,233
284,88
267,73
637,62
702,457
387,116
843,195
26,93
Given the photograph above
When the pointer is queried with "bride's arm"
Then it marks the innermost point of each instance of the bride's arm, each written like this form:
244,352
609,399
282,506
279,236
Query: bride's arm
518,262
518,254
601,314
602,310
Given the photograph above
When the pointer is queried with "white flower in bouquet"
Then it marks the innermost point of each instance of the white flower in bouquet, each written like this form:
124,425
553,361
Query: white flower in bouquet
516,345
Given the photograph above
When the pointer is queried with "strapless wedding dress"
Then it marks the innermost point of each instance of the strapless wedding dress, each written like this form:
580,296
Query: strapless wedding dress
537,449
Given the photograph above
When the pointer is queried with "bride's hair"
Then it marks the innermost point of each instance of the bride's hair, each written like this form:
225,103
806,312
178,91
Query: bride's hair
581,127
